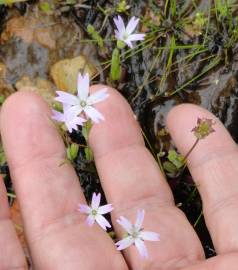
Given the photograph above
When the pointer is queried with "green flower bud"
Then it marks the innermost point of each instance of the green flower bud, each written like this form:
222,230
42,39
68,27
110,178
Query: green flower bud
121,44
72,151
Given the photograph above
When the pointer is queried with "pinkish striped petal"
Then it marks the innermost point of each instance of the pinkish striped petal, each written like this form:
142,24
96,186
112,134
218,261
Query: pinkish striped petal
131,26
72,111
129,43
139,219
83,208
125,223
150,236
96,200
83,86
98,96
140,245
119,24
58,116
103,222
135,37
124,243
118,35
105,209
66,98
90,220
93,114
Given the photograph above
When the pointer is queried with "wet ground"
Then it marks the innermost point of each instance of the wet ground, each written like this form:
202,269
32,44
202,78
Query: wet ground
180,62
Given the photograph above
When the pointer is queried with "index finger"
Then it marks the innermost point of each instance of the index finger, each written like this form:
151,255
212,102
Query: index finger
132,180
48,194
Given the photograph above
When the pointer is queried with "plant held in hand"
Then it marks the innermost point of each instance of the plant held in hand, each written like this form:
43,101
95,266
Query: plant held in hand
69,118
136,234
95,212
83,102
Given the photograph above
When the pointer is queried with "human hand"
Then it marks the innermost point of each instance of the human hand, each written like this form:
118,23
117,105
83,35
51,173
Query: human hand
48,194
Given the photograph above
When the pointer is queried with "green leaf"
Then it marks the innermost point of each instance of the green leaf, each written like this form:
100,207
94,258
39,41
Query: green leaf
176,159
86,129
170,167
45,7
2,99
95,35
88,154
122,6
72,151
9,2
115,72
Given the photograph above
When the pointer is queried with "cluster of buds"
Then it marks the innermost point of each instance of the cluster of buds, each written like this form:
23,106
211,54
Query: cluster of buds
203,128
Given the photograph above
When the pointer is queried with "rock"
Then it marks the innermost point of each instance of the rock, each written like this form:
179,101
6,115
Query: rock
18,27
64,72
5,88
30,30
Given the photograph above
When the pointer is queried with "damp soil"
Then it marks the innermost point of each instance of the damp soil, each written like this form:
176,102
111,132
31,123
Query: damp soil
208,78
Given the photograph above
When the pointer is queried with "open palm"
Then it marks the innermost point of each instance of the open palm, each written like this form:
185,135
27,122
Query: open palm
57,234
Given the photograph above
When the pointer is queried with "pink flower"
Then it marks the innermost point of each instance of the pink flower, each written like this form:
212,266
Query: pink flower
96,212
69,118
83,102
136,234
124,33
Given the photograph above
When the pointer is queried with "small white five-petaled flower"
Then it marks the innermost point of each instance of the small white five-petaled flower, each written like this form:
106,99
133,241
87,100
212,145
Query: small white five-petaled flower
96,212
125,33
136,234
69,118
83,102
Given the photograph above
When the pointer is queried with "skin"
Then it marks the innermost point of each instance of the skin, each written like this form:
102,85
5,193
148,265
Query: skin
48,194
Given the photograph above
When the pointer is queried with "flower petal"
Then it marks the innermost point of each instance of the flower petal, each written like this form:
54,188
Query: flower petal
135,37
150,236
119,24
124,243
83,86
93,114
58,116
125,223
83,208
129,43
72,111
66,98
102,222
70,127
96,200
131,26
74,123
139,219
98,96
71,119
118,35
105,209
90,220
140,245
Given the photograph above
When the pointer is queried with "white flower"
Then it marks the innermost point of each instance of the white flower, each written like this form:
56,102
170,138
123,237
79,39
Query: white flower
96,212
124,33
83,101
69,118
136,234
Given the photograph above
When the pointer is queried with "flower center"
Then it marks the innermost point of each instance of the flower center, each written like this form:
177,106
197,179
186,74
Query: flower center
125,36
83,103
135,234
94,212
